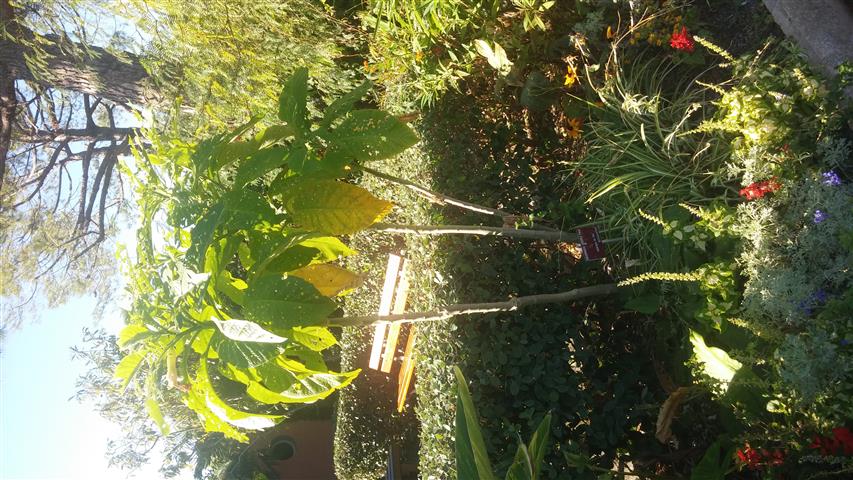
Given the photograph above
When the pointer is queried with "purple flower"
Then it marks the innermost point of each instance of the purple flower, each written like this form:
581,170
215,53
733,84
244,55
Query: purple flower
831,178
844,342
819,216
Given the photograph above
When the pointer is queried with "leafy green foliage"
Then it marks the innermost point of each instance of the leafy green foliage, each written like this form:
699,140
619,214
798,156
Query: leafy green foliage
715,464
164,431
642,154
472,459
228,299
224,58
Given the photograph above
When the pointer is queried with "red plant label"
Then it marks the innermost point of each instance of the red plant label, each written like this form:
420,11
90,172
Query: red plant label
591,245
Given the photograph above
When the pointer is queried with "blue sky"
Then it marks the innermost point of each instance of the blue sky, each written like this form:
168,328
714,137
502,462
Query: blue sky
43,434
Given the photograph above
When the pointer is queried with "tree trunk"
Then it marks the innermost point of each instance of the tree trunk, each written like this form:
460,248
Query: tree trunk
8,100
102,74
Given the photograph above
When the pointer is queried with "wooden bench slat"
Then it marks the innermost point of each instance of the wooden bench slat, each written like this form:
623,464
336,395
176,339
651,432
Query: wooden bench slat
400,298
406,370
384,308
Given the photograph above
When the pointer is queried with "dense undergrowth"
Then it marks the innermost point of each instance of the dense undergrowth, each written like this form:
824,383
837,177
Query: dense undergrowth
755,148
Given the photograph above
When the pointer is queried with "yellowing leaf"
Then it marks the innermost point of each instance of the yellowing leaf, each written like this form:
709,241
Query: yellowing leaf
333,207
330,280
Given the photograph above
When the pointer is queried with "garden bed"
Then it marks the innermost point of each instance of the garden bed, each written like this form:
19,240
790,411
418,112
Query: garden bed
604,369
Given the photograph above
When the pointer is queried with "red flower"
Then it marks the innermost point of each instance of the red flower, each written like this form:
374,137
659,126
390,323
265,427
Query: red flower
759,189
841,442
756,460
681,40
750,457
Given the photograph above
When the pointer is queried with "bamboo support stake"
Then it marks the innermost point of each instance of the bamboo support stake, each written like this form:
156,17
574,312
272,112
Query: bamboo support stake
556,236
472,308
441,199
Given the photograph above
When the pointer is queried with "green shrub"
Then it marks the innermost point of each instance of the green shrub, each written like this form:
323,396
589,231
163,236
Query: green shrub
560,359
367,421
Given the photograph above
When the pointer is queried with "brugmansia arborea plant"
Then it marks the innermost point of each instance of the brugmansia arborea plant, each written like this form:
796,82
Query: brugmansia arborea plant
234,279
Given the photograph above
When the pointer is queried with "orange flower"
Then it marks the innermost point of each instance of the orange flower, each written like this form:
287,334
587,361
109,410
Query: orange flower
571,76
609,34
419,56
574,127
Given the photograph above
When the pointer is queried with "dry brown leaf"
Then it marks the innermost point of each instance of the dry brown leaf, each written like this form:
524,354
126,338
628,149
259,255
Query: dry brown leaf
663,430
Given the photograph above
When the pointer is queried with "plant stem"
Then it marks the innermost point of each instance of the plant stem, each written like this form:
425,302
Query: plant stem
471,308
557,236
441,199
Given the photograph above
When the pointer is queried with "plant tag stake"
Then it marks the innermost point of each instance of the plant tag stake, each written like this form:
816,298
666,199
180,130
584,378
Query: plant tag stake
591,245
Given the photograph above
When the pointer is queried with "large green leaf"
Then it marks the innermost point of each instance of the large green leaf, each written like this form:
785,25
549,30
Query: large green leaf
312,251
236,210
217,415
714,464
288,381
231,152
245,354
467,417
274,134
202,233
280,303
715,362
208,152
466,467
244,208
233,288
246,331
312,359
333,207
535,93
329,279
315,338
151,405
329,248
264,245
344,104
259,164
372,135
131,334
280,251
292,103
